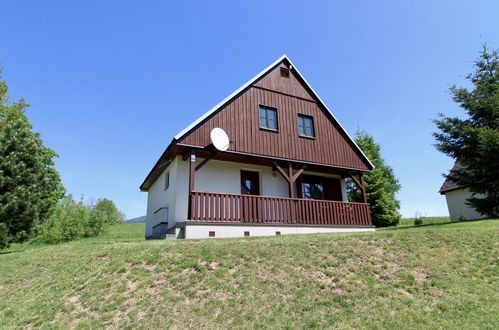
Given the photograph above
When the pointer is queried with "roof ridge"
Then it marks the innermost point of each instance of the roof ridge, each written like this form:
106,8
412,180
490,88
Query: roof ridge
250,82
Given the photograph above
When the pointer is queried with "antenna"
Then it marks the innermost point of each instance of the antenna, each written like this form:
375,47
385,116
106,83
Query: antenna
219,139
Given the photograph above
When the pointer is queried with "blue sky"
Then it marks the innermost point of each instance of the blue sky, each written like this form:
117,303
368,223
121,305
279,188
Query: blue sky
111,82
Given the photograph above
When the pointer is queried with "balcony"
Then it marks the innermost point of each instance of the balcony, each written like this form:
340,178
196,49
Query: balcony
227,208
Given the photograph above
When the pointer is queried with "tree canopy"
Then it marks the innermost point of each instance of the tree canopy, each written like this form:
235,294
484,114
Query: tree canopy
381,185
109,209
29,184
474,139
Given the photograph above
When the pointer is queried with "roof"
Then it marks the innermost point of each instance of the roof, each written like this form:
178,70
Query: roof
448,184
236,93
253,80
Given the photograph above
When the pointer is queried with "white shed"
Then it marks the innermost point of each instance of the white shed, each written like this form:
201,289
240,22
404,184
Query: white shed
456,197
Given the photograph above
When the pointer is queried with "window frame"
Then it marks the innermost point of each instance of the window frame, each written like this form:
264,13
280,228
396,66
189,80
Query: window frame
167,181
312,126
267,108
313,180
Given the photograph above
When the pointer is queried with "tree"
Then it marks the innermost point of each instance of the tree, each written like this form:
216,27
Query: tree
380,184
70,220
29,184
474,140
109,209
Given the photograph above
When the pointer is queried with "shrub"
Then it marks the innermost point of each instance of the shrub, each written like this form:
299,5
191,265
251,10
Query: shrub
418,220
463,217
110,211
70,220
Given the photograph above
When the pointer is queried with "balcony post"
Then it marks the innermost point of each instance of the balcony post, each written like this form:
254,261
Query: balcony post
290,181
192,174
363,188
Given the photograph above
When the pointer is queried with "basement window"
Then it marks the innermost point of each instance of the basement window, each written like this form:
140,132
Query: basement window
268,118
211,234
277,233
246,233
284,72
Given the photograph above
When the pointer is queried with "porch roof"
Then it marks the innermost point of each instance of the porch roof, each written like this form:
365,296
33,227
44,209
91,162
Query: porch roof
175,149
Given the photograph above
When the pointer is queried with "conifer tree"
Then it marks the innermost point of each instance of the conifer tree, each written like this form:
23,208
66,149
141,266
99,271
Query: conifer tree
381,185
473,141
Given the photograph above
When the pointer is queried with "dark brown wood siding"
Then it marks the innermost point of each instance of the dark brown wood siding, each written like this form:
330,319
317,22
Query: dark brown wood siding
240,119
292,85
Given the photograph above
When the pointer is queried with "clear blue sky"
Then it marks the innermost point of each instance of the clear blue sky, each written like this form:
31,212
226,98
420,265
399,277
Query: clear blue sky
111,82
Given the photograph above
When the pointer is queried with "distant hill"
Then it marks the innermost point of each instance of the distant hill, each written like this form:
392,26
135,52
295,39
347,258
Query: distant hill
136,220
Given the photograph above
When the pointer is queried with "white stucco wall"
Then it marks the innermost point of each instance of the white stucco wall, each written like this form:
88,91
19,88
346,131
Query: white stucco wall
215,176
227,231
456,203
223,177
158,197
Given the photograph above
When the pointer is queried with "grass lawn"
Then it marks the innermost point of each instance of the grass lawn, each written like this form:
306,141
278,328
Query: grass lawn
426,221
434,276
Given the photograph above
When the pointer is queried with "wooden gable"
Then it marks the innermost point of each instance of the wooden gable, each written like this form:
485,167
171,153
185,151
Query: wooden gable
291,96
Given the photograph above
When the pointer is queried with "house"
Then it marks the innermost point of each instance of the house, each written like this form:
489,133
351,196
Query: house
283,172
456,197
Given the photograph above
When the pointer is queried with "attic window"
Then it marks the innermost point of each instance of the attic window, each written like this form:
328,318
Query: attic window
284,72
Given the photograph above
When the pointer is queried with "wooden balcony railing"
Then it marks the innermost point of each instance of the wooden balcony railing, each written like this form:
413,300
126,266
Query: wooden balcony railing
207,206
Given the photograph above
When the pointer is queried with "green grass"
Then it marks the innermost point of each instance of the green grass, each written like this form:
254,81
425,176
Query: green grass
435,276
426,221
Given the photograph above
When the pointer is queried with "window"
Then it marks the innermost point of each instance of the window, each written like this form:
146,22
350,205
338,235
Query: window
250,183
306,126
313,188
268,118
246,234
167,180
211,234
278,233
284,72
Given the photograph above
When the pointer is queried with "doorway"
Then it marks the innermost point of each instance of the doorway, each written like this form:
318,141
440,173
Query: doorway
250,183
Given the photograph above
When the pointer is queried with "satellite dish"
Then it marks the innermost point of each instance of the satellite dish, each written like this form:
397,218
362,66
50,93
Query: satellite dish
219,139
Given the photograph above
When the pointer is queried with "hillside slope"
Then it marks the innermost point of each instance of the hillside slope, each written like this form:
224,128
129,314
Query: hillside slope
430,277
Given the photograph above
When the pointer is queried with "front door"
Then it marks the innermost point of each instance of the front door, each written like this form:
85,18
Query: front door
250,183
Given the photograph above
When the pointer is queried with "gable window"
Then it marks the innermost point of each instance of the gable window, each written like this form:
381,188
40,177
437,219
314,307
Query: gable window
284,72
167,180
306,126
268,118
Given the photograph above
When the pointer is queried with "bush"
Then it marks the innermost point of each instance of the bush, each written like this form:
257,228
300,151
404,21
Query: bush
70,220
110,211
418,219
463,217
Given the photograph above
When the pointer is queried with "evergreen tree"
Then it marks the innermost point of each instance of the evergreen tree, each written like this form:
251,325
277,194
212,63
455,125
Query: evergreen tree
381,185
29,184
474,140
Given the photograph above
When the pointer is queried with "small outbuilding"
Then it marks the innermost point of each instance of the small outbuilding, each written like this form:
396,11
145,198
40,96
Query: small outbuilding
456,197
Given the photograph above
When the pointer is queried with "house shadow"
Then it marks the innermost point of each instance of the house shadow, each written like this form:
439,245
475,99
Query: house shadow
9,252
430,225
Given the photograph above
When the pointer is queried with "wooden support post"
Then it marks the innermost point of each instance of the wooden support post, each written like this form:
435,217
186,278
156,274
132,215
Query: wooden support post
290,181
363,188
192,174
206,160
359,184
290,176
